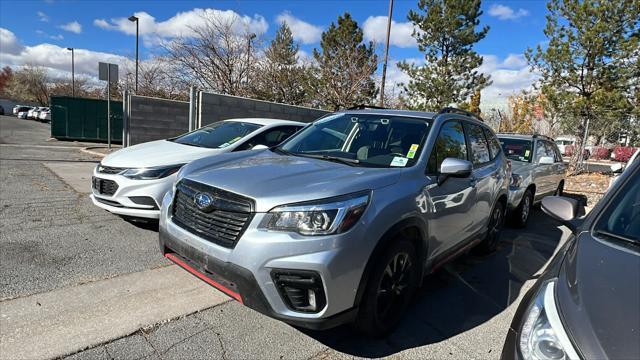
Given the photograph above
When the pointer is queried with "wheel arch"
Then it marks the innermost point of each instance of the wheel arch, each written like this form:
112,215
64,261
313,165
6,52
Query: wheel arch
413,229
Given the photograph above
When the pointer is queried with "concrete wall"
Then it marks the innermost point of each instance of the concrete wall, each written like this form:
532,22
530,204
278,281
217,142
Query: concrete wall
154,119
216,107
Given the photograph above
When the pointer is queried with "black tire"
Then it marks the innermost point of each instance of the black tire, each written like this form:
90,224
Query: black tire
389,290
559,189
492,238
520,215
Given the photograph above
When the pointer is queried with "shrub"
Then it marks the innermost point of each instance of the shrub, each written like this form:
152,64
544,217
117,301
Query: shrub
600,153
623,153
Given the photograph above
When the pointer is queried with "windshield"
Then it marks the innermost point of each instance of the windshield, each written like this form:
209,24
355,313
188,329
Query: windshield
217,135
517,149
362,139
621,219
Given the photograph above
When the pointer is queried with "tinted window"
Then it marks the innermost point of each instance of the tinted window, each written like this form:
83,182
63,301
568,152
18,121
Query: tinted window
218,135
550,150
494,145
478,144
269,138
621,219
371,139
517,149
450,143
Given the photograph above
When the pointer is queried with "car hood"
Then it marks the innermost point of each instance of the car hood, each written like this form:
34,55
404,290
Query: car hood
274,179
157,153
520,167
598,295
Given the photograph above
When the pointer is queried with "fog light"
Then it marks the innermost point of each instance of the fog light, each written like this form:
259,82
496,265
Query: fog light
300,290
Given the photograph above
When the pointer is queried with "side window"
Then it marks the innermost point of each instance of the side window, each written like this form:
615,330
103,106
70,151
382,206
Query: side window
478,144
494,144
552,150
450,143
269,138
541,150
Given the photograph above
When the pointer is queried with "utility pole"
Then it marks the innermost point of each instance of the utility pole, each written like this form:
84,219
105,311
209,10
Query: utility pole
73,74
135,19
386,54
251,37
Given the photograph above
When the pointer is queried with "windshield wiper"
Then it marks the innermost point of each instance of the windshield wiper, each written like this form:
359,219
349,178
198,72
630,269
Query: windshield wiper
278,150
350,162
617,237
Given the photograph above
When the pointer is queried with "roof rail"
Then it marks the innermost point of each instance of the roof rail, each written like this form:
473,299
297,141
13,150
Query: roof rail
534,135
452,110
364,106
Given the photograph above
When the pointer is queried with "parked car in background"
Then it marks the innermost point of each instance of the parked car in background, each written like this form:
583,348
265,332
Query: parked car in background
133,180
567,146
45,115
537,170
20,108
23,112
619,168
1,110
585,305
341,222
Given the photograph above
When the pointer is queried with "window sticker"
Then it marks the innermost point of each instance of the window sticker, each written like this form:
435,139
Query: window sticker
412,151
234,140
526,153
399,161
224,145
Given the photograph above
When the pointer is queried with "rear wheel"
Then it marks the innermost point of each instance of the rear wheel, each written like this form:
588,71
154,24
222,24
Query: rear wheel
520,216
490,242
389,290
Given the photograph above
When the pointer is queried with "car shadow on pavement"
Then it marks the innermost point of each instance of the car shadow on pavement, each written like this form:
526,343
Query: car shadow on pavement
146,224
465,294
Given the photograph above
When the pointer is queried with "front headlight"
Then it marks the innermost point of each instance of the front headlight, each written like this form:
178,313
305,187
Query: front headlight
151,173
330,216
542,336
516,180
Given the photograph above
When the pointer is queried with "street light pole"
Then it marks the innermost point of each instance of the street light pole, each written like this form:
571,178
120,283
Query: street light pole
386,54
73,75
136,20
251,37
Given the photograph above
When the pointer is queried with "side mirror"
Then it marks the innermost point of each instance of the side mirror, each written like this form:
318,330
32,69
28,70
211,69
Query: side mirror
452,167
562,208
259,147
617,168
546,160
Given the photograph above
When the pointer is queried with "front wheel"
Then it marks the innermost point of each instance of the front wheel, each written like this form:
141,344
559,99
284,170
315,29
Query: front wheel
491,239
389,290
520,216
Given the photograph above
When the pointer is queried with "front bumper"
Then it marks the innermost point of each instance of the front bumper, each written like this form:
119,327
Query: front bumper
120,202
245,271
515,196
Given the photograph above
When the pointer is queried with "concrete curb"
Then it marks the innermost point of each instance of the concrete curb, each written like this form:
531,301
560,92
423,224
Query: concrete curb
87,150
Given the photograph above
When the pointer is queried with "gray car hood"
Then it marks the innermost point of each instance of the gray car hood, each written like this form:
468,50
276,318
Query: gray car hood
520,167
275,179
599,297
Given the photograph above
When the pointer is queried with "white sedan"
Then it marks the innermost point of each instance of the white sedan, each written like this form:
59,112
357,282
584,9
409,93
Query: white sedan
132,181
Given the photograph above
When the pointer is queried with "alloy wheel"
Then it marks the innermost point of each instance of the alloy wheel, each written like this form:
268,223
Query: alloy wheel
393,286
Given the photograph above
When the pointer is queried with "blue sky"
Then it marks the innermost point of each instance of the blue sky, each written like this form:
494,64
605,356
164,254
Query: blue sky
38,31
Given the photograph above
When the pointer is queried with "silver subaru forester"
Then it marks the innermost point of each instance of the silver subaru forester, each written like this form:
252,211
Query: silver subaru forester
341,222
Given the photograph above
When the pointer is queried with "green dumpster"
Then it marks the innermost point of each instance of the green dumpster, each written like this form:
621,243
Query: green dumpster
84,119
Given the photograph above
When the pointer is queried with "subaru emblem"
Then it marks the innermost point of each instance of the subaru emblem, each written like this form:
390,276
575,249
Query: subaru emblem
203,201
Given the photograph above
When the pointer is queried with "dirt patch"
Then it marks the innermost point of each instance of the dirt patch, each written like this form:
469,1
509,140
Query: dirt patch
592,185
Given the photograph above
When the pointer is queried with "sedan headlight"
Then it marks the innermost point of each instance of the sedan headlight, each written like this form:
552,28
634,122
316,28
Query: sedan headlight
151,173
542,336
324,217
516,180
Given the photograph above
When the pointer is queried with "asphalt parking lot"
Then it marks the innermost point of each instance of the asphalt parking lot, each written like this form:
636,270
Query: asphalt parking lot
78,282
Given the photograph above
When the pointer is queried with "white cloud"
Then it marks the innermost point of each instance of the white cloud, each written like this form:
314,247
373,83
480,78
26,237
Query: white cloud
52,37
43,17
504,12
302,31
73,27
56,59
375,29
9,43
181,24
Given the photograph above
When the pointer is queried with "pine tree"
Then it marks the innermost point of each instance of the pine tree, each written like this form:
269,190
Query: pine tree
280,78
589,62
345,66
445,33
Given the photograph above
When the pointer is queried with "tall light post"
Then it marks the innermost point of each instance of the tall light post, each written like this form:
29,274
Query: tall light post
135,19
251,37
386,54
73,74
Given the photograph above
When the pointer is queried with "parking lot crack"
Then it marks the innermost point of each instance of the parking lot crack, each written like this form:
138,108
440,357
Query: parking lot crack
224,350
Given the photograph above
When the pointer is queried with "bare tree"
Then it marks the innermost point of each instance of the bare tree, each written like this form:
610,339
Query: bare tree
218,56
29,84
158,77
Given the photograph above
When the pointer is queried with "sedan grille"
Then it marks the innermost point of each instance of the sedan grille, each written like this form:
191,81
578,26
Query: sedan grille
222,223
104,186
